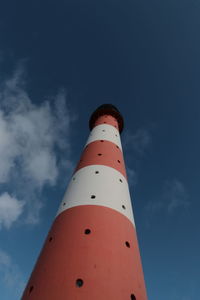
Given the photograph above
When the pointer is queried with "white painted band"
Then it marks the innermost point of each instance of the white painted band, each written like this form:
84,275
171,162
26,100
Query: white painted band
107,188
105,132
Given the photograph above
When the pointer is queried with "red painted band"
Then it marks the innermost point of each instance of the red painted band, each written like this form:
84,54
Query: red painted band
102,153
107,119
104,259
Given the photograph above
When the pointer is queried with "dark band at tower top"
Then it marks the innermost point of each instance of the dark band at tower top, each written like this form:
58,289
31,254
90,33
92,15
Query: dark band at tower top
107,109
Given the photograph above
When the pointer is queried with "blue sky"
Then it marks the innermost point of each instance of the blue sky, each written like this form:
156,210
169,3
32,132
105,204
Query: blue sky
59,60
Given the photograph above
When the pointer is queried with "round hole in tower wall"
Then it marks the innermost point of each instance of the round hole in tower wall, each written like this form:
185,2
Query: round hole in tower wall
87,231
30,289
118,161
103,130
96,172
50,239
99,154
79,282
117,147
120,180
93,196
64,204
127,244
102,141
123,206
133,297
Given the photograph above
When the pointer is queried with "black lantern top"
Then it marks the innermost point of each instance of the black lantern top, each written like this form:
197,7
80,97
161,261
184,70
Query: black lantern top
107,109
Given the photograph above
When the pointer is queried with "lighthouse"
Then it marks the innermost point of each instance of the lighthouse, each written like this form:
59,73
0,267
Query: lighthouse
91,250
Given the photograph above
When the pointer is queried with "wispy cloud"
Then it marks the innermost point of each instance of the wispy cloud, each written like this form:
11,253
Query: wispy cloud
10,275
138,141
132,176
154,207
176,195
34,145
135,145
10,210
173,197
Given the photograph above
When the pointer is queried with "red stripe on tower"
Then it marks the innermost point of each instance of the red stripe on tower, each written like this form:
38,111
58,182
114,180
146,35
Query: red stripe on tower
91,251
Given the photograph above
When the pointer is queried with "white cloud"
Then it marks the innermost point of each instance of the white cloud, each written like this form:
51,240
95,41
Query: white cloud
10,275
29,134
10,209
42,167
8,151
34,140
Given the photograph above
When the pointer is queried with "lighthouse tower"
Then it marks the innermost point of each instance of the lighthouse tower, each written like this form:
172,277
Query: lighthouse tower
91,251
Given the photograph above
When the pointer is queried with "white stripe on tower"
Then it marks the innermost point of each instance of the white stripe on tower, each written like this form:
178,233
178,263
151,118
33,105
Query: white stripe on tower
98,185
105,132
91,251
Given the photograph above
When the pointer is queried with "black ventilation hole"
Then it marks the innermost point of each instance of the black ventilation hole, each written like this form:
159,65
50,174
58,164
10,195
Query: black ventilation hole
127,244
118,161
64,204
79,282
50,239
115,134
123,206
133,297
93,196
102,141
104,122
87,231
117,147
31,288
99,154
96,172
103,130
120,180
73,178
